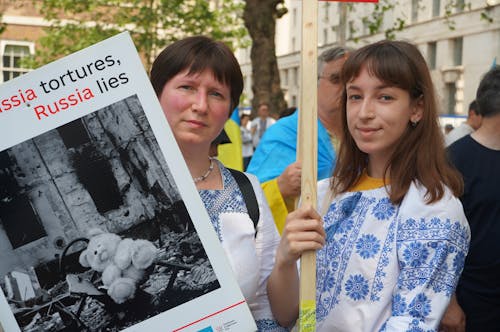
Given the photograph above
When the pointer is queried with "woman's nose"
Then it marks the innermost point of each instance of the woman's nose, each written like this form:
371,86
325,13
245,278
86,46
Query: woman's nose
200,103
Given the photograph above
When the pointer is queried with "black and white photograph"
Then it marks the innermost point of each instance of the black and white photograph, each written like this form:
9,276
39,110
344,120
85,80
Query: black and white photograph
94,234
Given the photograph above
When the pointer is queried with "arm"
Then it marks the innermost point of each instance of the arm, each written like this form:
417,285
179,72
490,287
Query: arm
282,192
454,317
303,231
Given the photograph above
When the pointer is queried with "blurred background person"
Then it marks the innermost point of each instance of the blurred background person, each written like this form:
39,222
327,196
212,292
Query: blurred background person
476,306
246,140
472,123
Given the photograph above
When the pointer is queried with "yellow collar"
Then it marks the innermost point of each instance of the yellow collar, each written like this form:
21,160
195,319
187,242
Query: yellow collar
367,183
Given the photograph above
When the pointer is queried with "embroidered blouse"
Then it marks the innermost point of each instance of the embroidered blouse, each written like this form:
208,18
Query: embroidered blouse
251,257
388,267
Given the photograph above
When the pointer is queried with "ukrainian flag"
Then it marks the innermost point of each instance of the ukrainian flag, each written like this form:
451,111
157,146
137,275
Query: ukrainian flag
230,154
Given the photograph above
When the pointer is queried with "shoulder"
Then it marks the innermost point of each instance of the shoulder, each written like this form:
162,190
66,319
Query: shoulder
414,205
461,149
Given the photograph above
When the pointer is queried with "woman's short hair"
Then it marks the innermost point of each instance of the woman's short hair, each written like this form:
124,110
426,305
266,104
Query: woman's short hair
197,54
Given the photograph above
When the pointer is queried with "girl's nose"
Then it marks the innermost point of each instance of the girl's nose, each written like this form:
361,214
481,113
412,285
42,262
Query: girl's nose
366,109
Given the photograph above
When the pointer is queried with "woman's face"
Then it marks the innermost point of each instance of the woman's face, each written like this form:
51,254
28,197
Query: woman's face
378,115
196,107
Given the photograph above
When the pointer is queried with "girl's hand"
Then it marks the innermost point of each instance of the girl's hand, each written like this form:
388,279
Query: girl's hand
303,231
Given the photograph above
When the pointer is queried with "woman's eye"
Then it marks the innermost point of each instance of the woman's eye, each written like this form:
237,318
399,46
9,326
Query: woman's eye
216,94
386,98
354,97
186,87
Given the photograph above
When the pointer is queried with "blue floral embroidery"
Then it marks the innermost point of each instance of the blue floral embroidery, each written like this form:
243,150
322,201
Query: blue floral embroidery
367,246
427,253
269,325
228,200
356,287
398,305
384,209
415,254
420,307
458,262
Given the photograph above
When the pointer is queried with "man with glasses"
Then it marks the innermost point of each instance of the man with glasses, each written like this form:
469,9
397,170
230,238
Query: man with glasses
274,160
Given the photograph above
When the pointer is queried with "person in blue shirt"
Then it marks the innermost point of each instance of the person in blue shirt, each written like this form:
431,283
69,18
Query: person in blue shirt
274,160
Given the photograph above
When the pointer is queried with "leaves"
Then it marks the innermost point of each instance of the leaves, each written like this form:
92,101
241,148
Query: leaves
153,24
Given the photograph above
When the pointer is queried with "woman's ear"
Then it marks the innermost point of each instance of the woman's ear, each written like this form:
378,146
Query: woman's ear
417,110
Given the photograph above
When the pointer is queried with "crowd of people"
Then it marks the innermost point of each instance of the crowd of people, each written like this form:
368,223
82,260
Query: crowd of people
399,215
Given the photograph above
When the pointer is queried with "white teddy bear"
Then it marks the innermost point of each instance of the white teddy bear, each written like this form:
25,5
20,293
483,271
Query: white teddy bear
121,261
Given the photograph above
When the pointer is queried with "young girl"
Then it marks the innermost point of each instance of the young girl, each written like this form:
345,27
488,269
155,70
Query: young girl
396,235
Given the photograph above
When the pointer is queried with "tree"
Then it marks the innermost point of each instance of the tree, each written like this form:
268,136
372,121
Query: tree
152,24
260,20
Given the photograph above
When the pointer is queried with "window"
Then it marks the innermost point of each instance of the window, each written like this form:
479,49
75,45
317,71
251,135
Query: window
295,76
451,90
431,55
285,77
414,10
12,53
325,36
74,134
436,7
457,51
17,214
326,12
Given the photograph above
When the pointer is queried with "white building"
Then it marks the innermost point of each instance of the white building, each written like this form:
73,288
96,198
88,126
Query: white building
457,57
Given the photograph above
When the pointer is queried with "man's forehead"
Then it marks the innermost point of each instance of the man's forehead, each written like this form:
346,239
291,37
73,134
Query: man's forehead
333,67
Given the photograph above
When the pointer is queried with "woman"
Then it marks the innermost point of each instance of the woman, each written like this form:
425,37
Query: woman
396,235
199,82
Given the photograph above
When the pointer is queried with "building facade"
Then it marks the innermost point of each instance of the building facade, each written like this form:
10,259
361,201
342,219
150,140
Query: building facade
459,42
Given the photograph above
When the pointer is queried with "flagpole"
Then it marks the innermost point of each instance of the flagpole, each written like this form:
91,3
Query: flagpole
307,147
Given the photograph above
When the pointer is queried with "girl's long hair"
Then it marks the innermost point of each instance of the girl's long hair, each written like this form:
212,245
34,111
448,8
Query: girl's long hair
419,154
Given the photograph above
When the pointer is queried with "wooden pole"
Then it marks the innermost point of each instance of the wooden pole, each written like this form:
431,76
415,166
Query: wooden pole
307,150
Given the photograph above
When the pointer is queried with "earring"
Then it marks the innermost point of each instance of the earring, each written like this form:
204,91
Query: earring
414,123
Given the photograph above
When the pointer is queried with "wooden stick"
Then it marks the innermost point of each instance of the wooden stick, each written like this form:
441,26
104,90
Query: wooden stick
307,146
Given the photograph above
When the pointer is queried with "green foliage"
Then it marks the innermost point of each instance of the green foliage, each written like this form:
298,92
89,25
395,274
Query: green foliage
153,24
374,22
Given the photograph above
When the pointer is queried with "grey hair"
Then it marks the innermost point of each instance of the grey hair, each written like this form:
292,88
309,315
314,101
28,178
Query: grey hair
332,54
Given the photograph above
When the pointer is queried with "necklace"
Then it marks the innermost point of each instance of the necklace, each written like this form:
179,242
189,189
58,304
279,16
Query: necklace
207,173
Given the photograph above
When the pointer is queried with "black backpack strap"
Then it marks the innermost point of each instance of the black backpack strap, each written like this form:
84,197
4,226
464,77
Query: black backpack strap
248,195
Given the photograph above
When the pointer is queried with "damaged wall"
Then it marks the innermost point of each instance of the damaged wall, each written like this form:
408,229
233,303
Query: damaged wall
59,171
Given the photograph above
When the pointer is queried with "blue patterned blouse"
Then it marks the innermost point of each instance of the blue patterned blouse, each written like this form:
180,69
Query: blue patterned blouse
251,257
387,267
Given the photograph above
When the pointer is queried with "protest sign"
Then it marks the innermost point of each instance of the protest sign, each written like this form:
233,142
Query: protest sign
86,153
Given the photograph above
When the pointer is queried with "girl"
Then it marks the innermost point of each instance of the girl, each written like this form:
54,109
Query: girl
396,235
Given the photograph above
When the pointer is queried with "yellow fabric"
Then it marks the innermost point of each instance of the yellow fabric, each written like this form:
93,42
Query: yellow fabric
367,183
230,154
276,203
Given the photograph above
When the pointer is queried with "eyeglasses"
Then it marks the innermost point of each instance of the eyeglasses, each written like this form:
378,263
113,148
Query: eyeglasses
333,78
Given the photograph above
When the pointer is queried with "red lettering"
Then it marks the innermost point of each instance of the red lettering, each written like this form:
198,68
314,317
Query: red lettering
15,100
64,103
40,109
6,105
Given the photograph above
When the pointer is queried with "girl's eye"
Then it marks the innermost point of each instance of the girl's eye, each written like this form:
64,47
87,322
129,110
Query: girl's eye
354,97
386,98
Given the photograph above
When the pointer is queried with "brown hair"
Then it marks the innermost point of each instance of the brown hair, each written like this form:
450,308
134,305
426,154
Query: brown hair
419,154
197,54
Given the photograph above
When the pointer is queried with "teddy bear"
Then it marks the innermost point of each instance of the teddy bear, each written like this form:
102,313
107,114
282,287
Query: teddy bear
122,262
